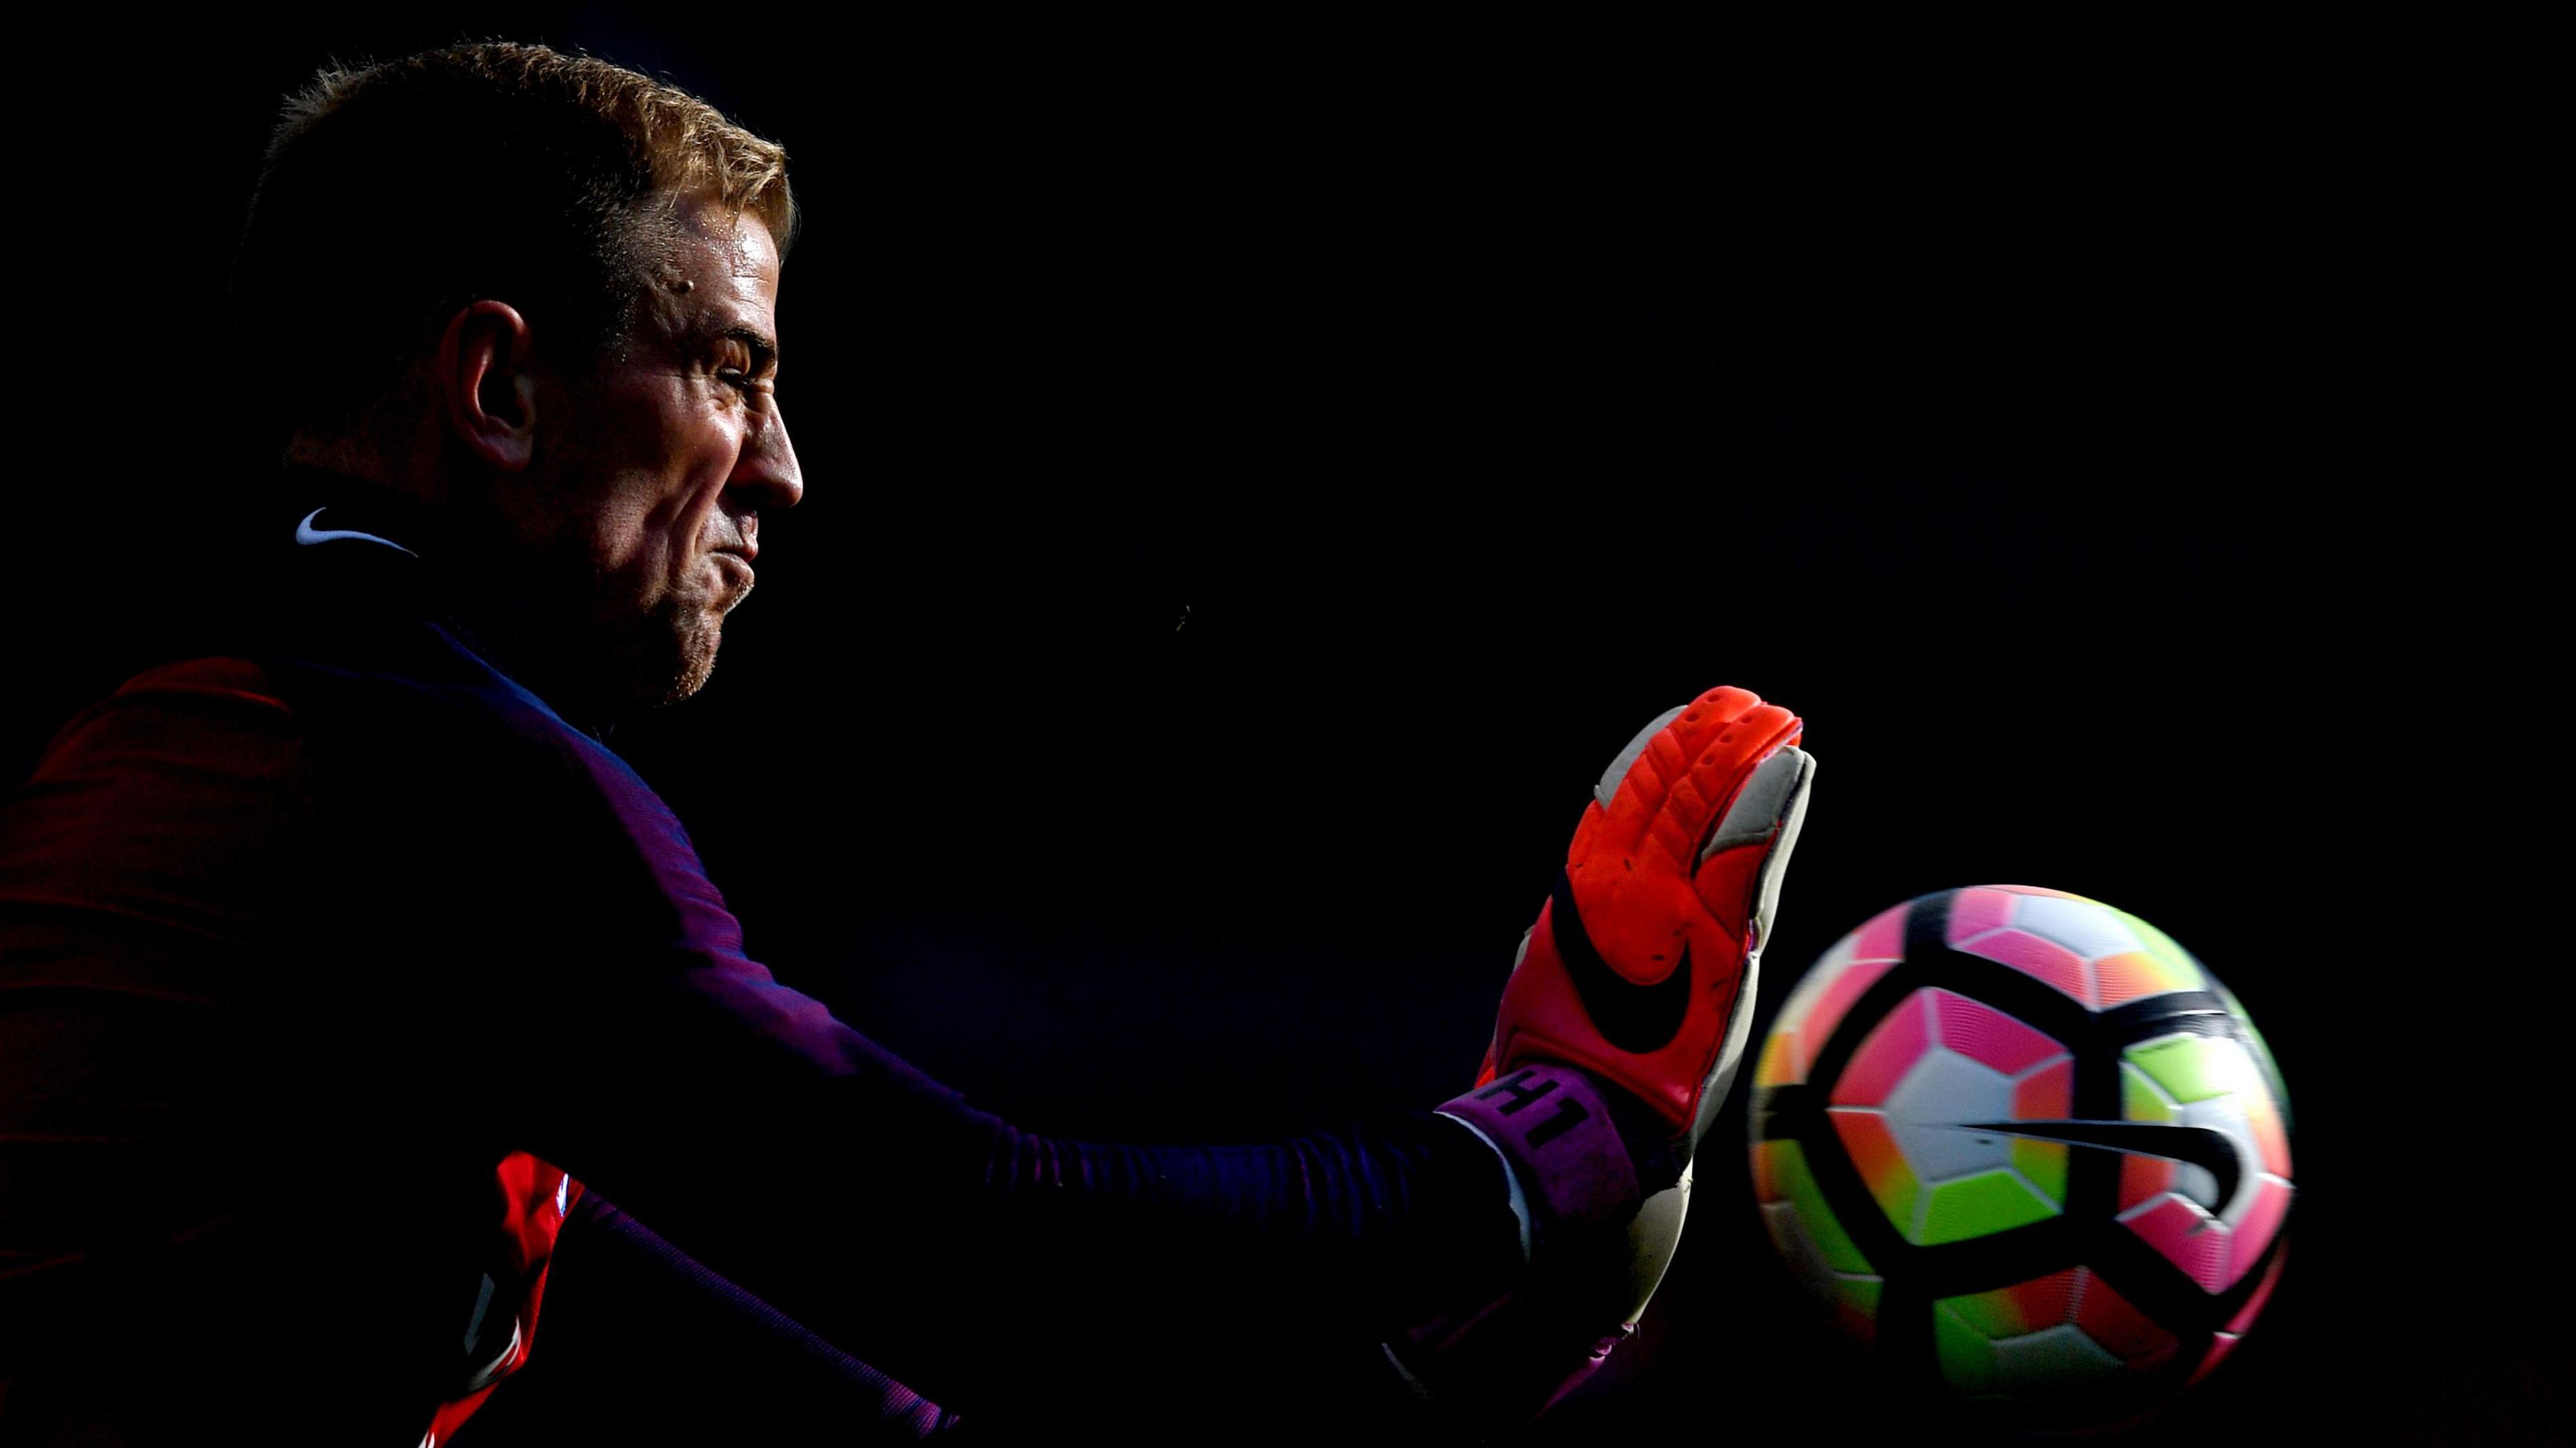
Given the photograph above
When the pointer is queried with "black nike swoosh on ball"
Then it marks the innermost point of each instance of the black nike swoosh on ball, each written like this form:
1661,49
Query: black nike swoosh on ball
2213,1151
1635,1018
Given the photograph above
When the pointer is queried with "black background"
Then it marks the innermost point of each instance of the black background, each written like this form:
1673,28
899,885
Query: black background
1259,475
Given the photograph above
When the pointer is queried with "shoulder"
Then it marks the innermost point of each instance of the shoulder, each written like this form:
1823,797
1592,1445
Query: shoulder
168,803
445,769
223,717
414,699
275,715
380,741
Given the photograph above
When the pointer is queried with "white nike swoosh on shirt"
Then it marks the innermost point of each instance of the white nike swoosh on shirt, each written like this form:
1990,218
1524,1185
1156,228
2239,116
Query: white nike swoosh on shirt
308,535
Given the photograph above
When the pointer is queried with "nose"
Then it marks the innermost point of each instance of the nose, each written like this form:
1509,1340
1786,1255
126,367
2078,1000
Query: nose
766,475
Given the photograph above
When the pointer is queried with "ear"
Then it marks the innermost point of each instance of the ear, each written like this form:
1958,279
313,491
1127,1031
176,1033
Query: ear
486,386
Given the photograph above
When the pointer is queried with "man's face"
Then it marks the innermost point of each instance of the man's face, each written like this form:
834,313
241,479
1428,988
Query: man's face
651,469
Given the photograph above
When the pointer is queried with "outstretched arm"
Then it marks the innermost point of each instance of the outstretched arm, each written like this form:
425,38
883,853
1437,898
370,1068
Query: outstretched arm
985,1265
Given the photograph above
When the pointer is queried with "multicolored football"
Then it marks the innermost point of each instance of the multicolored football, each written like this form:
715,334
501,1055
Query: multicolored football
2028,1147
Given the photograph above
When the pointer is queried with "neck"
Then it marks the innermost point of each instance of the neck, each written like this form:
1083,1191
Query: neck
464,582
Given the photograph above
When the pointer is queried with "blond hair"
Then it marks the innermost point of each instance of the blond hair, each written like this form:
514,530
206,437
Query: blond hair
395,193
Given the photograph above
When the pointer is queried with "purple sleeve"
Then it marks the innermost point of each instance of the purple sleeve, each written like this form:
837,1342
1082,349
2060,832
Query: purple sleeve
989,1267
291,954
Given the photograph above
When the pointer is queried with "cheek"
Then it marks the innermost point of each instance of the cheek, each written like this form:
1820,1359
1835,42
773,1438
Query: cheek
711,459
653,440
689,516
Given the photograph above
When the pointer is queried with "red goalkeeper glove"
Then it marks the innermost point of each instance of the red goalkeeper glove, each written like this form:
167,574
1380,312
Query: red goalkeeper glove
1619,1036
1641,966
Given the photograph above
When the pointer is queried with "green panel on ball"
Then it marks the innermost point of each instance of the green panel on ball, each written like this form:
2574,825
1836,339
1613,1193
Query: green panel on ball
2043,1163
1967,1358
2190,1068
1880,1159
1992,1314
1976,1206
1860,1294
2163,947
1787,1163
2140,1100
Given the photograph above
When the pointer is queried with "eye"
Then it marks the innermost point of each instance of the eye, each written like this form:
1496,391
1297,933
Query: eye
743,366
732,364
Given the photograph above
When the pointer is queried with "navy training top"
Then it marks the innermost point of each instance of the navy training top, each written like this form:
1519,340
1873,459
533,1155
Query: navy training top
299,947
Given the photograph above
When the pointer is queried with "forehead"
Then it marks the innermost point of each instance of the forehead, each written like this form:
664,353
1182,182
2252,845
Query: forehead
727,259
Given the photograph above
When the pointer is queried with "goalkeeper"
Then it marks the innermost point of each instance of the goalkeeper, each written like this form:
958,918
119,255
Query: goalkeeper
339,974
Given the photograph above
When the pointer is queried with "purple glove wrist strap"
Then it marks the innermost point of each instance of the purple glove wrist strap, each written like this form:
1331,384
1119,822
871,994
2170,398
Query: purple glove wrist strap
1554,1127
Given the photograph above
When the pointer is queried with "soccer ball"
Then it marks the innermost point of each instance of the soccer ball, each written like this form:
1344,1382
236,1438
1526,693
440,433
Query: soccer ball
2027,1146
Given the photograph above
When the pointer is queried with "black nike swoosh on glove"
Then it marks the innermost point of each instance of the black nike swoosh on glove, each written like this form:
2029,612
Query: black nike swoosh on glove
1639,1019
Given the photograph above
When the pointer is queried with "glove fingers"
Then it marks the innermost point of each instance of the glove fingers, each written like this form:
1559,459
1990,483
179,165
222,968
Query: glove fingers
1669,766
1608,789
1739,881
1716,777
1739,871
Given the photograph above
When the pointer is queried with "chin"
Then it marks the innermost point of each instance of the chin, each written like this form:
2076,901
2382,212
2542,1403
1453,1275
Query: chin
657,666
655,652
681,673
693,676
696,664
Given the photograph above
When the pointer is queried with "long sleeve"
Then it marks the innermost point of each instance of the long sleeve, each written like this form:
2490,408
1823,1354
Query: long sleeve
972,1259
462,928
